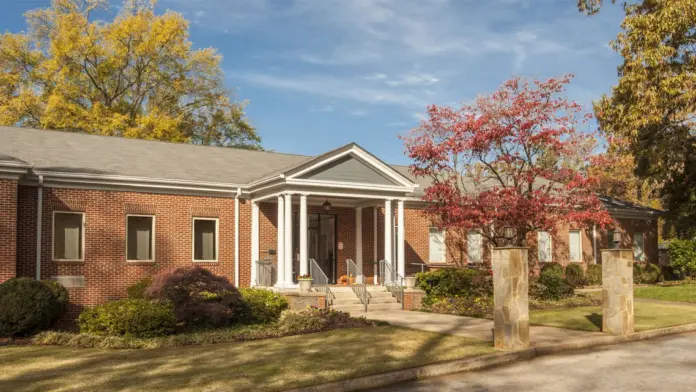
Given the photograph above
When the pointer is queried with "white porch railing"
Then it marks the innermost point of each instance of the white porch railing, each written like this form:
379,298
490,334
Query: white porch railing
392,280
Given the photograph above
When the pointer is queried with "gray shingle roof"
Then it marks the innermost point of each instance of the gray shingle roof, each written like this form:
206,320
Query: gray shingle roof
76,152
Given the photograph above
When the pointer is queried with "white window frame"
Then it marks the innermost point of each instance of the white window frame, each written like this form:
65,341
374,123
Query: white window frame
193,239
53,235
570,255
154,231
444,245
550,246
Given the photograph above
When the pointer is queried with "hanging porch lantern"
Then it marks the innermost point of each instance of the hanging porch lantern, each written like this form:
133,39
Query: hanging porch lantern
617,237
326,206
509,232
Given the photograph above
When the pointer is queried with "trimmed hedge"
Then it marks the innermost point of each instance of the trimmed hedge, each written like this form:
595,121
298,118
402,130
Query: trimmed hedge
552,269
594,274
265,306
129,317
575,275
200,298
550,287
456,282
28,306
137,291
60,292
651,274
682,256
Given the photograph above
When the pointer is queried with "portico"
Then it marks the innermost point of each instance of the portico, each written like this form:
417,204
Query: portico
327,210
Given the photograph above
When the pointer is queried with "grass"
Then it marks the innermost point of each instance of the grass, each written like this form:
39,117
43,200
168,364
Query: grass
263,365
589,318
679,293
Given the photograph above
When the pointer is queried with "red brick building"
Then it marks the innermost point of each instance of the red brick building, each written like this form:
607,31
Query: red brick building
98,213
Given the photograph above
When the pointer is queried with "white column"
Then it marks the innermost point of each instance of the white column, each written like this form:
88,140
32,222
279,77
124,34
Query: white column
288,239
401,244
280,252
388,223
358,245
304,262
254,241
375,247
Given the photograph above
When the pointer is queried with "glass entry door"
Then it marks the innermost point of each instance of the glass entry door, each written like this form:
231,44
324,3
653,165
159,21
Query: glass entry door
321,242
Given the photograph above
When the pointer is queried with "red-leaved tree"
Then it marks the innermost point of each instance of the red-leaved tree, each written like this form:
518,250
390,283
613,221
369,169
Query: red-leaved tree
514,159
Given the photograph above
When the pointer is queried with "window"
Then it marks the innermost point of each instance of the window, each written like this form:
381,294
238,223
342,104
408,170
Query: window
140,234
575,245
474,247
437,245
544,245
638,246
205,239
68,236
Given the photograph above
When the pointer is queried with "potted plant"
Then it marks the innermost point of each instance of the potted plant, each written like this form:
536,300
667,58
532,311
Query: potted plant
410,282
305,283
343,279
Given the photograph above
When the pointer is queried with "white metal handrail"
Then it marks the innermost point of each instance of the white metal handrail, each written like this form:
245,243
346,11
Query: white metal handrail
319,280
392,280
351,268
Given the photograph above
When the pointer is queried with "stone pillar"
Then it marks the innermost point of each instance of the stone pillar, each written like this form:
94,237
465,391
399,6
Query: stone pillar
617,291
510,298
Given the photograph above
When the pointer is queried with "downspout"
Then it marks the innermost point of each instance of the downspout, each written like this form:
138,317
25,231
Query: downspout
236,237
594,243
39,216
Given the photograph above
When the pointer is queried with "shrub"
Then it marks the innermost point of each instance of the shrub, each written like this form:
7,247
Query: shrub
129,317
461,306
575,275
454,282
137,291
550,287
637,273
200,298
60,292
682,256
27,306
552,269
316,319
651,274
265,306
594,274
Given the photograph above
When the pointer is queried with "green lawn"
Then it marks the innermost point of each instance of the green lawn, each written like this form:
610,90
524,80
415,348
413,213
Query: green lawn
263,365
680,293
589,318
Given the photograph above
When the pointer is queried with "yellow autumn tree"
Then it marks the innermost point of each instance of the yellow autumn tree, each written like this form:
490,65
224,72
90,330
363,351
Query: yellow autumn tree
136,76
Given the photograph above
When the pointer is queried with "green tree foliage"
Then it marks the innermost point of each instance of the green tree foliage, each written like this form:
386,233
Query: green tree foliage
136,76
653,105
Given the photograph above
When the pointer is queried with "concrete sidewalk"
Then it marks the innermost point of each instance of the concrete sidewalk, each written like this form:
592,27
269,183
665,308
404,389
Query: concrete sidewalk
472,327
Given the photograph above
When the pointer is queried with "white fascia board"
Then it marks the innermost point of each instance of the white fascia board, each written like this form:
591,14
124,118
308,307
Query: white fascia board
13,170
348,185
382,168
82,180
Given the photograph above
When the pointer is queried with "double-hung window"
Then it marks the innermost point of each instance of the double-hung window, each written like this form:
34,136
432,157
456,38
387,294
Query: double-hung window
205,239
68,236
638,247
140,238
474,247
544,245
436,245
575,245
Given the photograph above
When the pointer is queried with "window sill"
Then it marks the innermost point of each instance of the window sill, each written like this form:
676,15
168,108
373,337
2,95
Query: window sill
67,261
205,261
135,262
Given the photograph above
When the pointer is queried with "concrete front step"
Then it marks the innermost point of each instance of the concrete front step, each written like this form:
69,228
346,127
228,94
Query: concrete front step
370,308
383,300
346,301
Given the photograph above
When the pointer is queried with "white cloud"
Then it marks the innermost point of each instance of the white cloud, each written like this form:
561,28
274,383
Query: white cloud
358,113
323,109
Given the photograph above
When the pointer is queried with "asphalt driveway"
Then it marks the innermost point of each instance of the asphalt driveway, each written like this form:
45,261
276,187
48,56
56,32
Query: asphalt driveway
665,364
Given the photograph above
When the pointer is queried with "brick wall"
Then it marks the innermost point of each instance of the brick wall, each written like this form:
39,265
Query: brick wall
105,270
8,229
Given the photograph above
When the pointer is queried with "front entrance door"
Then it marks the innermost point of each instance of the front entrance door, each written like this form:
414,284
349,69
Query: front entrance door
321,242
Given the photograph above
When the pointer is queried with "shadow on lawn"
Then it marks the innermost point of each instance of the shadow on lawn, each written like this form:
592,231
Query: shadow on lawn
595,319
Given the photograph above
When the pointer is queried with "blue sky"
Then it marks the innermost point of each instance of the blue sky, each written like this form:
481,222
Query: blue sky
322,73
